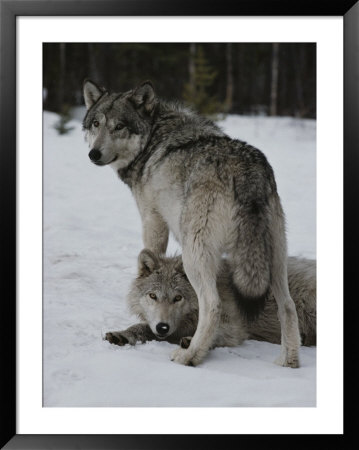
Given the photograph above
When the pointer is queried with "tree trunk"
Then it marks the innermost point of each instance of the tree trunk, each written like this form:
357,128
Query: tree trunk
240,82
299,80
93,64
274,83
192,67
229,85
62,72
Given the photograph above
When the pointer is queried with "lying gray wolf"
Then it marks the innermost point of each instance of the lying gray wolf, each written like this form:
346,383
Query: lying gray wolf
164,300
216,194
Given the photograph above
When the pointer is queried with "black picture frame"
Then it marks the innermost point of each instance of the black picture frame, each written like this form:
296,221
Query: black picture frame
9,10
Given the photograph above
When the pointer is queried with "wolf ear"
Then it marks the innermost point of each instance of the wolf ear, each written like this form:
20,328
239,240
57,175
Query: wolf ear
91,93
179,266
144,97
147,263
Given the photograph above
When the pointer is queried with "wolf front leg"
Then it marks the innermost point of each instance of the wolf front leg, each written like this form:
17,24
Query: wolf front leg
203,232
154,231
140,332
202,276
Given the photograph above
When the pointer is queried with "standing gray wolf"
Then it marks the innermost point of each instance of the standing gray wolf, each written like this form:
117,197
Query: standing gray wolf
164,300
217,195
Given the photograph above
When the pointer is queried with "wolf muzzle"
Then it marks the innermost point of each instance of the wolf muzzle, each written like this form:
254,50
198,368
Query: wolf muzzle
95,155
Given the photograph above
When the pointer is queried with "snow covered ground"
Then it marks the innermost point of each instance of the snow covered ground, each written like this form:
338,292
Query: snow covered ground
92,236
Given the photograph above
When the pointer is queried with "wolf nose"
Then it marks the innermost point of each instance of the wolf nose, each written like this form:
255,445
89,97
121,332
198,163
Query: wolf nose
162,328
95,154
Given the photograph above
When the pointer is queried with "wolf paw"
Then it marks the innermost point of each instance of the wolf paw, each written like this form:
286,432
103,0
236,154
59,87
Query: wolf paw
182,356
116,338
187,357
288,361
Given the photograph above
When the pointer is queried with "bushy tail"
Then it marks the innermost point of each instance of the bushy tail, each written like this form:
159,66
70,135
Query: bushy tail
250,308
252,258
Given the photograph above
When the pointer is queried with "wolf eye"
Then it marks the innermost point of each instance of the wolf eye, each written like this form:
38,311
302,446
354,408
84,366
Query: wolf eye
96,123
153,296
177,298
119,126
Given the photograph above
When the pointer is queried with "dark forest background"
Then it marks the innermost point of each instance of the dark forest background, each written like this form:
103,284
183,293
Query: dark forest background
268,79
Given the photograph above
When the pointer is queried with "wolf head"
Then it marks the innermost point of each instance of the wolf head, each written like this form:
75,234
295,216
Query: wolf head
162,296
118,125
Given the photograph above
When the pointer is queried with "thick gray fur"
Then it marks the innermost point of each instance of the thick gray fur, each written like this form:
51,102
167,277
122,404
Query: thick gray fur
216,194
165,278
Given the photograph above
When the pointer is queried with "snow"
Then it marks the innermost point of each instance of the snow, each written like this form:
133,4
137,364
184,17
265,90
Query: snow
92,236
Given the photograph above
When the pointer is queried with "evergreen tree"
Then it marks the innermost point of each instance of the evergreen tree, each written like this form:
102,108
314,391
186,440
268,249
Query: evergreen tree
65,116
197,91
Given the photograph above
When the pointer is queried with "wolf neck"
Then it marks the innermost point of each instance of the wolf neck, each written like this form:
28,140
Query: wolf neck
173,127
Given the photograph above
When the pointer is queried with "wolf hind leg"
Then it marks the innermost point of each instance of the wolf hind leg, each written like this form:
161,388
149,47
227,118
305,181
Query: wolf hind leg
290,336
287,313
